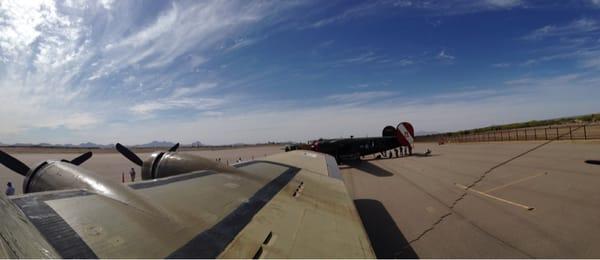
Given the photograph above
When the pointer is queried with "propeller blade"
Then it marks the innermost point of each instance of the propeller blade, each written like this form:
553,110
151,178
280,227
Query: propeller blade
597,162
174,148
129,154
13,163
82,158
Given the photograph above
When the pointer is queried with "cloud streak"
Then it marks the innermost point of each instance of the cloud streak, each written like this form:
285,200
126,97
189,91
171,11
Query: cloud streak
577,27
89,61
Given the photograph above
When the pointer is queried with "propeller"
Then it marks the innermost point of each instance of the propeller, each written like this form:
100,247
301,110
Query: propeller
79,159
597,162
21,168
13,163
174,148
133,157
129,154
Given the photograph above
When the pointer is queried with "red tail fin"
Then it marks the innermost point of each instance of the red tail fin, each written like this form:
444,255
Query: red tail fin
405,134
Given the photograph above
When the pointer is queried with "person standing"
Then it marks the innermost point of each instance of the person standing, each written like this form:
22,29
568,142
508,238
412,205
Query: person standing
132,175
10,190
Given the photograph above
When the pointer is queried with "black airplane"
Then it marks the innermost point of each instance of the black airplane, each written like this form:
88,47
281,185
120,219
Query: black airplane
353,148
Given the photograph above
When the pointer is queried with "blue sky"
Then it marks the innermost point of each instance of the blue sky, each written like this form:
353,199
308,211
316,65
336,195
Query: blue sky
253,71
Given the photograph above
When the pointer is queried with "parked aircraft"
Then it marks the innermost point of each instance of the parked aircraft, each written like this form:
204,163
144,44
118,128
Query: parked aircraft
288,205
353,148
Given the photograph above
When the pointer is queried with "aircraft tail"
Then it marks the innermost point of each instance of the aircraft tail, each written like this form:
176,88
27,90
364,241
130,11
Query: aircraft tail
404,132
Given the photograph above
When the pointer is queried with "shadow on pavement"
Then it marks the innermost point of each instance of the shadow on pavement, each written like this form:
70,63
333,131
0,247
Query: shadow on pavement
370,168
424,155
387,240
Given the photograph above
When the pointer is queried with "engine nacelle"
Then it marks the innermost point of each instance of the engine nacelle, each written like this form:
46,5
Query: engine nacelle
53,175
57,175
165,164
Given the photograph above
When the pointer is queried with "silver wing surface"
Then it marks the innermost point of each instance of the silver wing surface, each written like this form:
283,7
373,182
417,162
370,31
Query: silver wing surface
289,205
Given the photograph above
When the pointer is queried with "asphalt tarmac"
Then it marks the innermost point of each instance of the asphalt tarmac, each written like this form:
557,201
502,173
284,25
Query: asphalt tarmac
542,204
545,203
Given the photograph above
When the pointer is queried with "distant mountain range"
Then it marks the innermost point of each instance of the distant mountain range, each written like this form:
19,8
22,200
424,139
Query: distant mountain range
156,144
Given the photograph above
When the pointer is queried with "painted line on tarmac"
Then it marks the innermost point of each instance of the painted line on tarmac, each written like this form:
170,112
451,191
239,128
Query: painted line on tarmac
494,197
515,182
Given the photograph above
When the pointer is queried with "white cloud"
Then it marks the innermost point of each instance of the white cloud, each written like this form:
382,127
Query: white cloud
163,24
107,3
405,62
360,97
212,113
240,43
467,94
41,52
504,3
189,91
180,98
370,57
579,26
148,107
501,65
78,64
444,56
362,58
441,7
76,121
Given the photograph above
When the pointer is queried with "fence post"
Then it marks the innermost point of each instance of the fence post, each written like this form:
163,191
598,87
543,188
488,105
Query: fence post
535,133
517,133
557,136
584,133
525,134
546,133
570,133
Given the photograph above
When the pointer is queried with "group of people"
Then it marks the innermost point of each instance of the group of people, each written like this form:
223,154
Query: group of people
131,175
239,160
400,152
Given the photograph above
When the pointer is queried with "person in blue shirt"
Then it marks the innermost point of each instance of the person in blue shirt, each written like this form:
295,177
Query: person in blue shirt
10,190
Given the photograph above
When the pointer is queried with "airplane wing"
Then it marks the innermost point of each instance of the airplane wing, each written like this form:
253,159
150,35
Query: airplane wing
290,205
